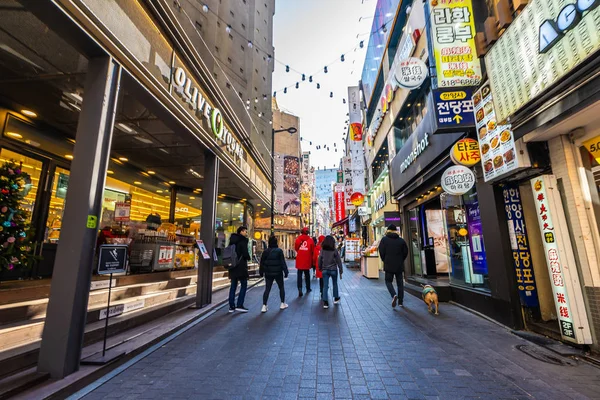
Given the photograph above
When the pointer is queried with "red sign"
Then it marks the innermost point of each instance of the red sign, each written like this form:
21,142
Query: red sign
340,209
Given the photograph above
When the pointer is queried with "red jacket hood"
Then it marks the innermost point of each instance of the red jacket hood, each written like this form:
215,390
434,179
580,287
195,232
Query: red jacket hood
305,248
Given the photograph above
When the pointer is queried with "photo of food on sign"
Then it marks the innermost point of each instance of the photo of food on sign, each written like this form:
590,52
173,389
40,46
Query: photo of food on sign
291,165
291,185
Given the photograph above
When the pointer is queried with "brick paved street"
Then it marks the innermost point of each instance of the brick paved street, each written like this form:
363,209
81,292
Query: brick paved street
358,349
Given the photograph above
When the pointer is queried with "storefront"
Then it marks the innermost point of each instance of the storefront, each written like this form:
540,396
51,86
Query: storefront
127,138
287,230
381,202
549,90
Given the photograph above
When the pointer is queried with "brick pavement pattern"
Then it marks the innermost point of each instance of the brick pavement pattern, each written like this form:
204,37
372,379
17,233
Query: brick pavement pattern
359,349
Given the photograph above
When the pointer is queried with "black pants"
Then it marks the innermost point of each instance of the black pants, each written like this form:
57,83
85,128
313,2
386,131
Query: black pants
321,284
306,273
389,282
269,283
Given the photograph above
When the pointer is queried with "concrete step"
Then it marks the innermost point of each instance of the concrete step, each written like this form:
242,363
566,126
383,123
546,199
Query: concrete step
23,332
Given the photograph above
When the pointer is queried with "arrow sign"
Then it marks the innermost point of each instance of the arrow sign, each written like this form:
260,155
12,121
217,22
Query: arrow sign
457,118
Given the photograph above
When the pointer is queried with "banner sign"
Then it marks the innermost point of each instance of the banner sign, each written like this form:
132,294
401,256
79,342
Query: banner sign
355,114
465,152
568,298
458,180
340,210
454,109
520,246
453,38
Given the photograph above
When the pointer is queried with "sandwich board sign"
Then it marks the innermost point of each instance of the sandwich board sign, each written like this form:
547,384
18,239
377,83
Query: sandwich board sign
112,259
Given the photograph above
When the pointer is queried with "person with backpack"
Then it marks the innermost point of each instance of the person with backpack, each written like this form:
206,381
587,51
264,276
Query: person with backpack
235,259
318,272
273,267
329,263
393,250
305,248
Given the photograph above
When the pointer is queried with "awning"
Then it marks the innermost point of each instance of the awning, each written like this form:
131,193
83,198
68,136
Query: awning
340,223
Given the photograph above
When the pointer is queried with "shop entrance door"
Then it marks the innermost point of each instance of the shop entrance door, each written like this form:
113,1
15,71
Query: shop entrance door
415,240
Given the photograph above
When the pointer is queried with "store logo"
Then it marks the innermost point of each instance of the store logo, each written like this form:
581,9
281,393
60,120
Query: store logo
203,109
552,31
380,201
419,148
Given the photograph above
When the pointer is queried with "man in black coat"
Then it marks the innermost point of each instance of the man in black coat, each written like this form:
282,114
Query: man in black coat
393,251
240,272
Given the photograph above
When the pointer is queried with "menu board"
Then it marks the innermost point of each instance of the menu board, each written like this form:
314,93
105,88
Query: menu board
523,64
453,38
496,142
352,250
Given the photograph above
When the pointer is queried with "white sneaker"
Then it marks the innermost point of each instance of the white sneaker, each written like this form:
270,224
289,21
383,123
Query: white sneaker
337,301
264,308
283,306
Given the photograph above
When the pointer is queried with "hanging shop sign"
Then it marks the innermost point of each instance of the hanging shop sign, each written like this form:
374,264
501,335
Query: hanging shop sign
411,73
465,152
282,222
453,37
560,260
386,98
454,109
192,94
593,146
499,153
355,114
357,198
458,180
364,211
519,244
539,48
418,148
340,209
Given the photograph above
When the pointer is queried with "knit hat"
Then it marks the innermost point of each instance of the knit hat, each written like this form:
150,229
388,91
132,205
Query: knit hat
392,227
305,230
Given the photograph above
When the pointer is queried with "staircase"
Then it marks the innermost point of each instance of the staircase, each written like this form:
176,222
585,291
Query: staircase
134,300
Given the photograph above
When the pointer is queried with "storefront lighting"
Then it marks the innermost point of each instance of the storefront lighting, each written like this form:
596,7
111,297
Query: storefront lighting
258,205
125,128
408,105
192,198
418,104
151,172
14,135
109,172
159,191
137,183
171,182
29,113
69,157
123,159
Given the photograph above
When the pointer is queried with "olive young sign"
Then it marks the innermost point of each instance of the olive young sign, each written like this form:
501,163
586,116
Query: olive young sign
192,94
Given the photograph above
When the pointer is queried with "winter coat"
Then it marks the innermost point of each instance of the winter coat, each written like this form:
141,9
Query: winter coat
319,273
393,251
330,260
305,248
272,263
241,249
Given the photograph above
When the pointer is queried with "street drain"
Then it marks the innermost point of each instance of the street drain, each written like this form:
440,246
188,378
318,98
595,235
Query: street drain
545,356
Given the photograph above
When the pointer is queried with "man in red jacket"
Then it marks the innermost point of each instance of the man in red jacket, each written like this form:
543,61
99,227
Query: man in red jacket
305,248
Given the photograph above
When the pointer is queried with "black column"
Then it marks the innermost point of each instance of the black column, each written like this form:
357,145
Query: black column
207,229
67,309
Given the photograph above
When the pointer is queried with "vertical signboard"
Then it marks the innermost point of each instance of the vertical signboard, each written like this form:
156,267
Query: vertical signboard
355,114
291,185
560,260
340,210
279,183
453,37
348,185
499,154
520,246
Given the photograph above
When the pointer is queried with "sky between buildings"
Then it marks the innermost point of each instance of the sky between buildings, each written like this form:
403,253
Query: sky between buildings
309,34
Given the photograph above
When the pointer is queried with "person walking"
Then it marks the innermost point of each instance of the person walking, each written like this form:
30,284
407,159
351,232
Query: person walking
393,250
329,263
273,267
239,274
318,272
305,248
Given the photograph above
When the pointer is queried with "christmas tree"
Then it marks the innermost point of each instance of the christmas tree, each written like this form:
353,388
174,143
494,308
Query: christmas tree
15,231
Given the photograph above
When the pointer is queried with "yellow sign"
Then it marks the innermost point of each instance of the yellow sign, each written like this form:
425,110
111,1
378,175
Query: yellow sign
593,146
521,66
92,222
466,152
447,96
257,235
453,36
305,202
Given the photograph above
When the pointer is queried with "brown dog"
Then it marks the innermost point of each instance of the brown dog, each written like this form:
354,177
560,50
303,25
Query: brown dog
430,298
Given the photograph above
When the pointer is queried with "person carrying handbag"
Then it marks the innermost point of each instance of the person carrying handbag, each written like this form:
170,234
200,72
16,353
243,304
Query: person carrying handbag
329,263
273,267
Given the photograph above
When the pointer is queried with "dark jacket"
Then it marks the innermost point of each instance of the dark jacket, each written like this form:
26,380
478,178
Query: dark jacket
330,260
272,263
241,248
393,251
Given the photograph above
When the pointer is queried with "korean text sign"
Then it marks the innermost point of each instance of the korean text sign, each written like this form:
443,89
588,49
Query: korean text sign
553,259
453,38
454,109
520,246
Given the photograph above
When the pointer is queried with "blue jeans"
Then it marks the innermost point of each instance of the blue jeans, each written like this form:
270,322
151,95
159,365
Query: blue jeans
326,275
241,296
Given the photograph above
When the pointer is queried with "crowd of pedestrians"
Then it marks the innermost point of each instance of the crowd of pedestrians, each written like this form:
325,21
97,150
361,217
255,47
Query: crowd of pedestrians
319,255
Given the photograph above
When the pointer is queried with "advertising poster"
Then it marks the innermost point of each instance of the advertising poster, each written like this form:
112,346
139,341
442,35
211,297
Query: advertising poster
436,231
348,185
291,185
522,64
279,183
122,211
496,142
520,246
355,114
476,238
453,37
340,209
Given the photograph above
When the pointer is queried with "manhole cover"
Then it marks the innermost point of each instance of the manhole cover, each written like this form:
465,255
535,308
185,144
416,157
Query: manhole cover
545,356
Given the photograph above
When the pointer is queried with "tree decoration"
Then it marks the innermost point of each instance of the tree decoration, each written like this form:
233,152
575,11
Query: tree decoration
15,233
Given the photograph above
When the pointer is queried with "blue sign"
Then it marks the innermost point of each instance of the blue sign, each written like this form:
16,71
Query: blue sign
454,108
478,258
520,246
